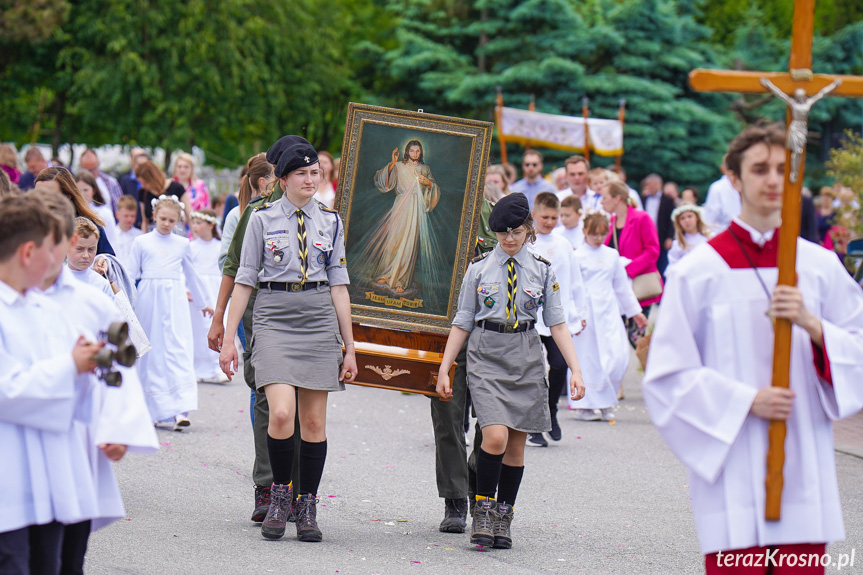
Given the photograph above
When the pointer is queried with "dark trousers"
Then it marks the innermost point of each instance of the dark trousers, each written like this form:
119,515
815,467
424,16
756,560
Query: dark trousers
448,423
32,550
75,539
556,373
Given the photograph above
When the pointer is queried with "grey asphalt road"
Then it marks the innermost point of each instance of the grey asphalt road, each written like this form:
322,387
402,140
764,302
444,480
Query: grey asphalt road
606,499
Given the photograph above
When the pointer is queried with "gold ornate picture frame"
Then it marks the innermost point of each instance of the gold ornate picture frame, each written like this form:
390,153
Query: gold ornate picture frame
409,193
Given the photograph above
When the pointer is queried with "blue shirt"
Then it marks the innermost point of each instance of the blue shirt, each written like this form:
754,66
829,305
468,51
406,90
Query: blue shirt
531,190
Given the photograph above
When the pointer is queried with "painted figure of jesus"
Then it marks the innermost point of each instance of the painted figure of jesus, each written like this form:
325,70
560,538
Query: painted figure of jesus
404,231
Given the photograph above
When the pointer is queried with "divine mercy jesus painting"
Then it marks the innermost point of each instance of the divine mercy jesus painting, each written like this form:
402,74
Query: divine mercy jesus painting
408,191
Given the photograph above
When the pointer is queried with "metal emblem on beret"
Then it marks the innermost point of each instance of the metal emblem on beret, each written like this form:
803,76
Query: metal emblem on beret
306,158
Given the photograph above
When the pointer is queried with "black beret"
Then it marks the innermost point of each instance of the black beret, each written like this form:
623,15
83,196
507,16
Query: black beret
291,153
509,213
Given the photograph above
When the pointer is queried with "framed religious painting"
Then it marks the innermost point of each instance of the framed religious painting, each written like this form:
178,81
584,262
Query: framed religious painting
410,193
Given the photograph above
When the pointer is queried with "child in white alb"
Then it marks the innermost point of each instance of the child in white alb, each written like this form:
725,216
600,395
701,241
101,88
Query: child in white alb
691,231
205,257
127,211
603,349
163,262
571,228
81,254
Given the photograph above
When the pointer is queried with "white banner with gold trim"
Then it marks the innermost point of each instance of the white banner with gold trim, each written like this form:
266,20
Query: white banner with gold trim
605,137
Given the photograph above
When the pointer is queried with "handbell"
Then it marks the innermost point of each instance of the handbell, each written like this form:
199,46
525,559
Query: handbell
118,332
126,355
114,378
104,357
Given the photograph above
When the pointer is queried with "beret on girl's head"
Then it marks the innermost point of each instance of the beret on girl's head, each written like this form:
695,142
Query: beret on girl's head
509,213
290,153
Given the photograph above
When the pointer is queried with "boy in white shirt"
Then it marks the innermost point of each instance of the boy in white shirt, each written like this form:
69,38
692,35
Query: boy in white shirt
552,247
41,394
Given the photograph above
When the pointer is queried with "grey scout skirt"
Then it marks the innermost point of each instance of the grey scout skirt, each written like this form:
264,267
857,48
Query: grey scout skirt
506,379
296,340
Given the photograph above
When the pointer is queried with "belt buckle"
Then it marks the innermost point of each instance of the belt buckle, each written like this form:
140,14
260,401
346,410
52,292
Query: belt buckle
508,329
296,287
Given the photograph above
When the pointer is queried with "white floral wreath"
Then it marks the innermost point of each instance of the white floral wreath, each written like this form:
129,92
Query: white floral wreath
204,217
687,208
602,213
166,198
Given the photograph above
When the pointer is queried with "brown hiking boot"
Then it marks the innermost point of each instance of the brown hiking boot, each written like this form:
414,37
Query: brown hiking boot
502,519
262,503
274,523
482,530
307,521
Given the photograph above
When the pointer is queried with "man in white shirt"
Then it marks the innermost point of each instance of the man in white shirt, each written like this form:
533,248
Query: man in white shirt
108,185
532,183
722,203
577,168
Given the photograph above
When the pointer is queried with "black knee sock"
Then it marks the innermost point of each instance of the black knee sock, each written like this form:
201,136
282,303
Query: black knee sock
510,480
312,459
281,452
487,473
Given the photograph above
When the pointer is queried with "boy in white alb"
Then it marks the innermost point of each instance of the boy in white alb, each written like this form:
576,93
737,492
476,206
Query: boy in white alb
571,228
81,255
46,480
707,382
545,212
117,417
127,210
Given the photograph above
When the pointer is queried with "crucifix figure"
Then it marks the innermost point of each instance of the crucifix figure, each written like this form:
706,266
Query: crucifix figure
798,129
798,78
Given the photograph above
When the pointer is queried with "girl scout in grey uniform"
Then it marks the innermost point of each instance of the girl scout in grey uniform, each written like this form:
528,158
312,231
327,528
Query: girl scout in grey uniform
500,297
294,249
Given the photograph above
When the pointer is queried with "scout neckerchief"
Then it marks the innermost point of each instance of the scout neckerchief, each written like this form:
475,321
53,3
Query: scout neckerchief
304,248
512,286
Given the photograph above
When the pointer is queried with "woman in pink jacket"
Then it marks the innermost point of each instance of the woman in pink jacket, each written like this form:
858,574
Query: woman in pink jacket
633,234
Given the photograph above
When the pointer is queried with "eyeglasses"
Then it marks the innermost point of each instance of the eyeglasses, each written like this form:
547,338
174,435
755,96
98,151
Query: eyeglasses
515,234
530,164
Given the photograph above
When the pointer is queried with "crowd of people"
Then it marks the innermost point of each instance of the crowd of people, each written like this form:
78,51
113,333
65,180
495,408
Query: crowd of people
568,273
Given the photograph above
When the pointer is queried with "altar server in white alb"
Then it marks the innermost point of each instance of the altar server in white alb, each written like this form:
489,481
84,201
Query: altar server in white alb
708,380
205,257
603,349
81,255
46,480
163,262
114,419
557,250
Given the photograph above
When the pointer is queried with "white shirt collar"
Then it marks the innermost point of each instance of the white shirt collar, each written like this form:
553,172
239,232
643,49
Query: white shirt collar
756,236
8,294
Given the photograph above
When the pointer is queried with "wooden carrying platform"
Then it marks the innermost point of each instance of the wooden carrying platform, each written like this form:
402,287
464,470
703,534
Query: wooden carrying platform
399,360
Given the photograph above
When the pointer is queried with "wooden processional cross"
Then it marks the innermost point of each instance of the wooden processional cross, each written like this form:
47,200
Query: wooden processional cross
795,89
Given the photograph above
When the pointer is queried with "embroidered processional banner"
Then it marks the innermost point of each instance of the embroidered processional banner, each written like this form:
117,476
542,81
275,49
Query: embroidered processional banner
605,137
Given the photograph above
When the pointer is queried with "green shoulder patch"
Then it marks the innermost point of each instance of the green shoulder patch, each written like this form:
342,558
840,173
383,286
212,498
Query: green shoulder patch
542,259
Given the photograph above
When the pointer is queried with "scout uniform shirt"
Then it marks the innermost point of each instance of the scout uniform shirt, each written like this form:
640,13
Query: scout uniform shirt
271,248
232,261
483,293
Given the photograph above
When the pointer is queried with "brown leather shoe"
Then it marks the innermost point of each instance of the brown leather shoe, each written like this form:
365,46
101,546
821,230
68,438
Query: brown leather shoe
502,519
482,530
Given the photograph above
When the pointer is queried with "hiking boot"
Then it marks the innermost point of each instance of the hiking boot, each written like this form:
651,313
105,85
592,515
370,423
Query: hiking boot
536,439
262,503
273,526
307,521
555,432
455,516
482,530
502,519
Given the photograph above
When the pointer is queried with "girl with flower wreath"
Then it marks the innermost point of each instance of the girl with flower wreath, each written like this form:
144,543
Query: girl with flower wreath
691,231
162,261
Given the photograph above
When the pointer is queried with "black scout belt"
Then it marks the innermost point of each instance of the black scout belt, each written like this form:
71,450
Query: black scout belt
504,328
289,286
